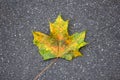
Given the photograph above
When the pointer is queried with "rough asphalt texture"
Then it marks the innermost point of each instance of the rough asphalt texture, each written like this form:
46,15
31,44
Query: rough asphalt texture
19,58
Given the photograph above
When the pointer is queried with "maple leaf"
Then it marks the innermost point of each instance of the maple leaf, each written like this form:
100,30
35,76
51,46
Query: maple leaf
59,44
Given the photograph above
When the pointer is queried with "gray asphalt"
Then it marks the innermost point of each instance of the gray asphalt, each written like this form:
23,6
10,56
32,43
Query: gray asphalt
19,58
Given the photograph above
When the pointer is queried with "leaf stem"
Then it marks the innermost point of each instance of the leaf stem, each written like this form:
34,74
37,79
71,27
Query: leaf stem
46,68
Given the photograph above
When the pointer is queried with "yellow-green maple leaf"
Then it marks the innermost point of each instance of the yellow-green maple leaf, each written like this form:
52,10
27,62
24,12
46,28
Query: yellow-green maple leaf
59,44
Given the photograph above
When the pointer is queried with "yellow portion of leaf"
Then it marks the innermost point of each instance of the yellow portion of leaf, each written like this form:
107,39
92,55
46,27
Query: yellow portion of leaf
77,53
59,43
58,29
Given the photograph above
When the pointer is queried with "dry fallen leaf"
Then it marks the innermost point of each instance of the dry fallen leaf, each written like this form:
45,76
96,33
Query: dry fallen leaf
59,44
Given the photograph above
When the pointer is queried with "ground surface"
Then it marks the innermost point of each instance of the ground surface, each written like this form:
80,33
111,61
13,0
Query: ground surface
19,58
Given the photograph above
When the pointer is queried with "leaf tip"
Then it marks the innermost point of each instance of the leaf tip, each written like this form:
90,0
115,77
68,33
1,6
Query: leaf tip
32,31
59,19
85,31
